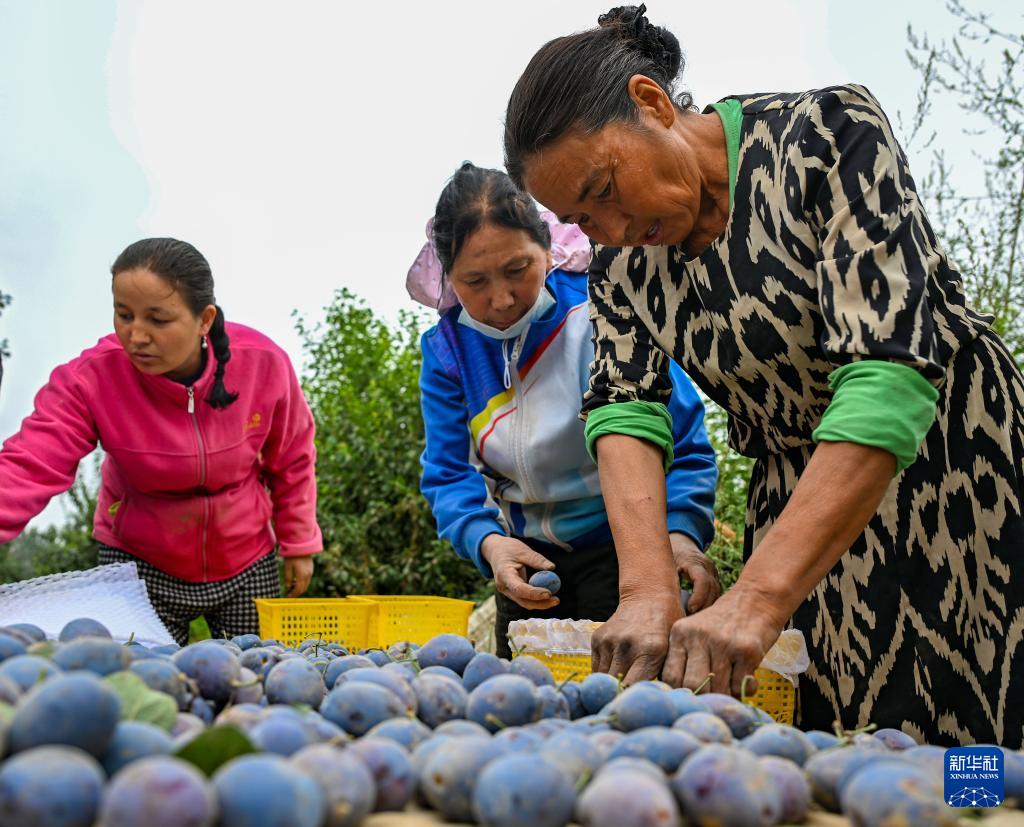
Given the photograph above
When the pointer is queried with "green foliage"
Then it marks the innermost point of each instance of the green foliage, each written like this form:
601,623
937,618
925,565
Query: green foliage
5,301
140,703
198,630
981,69
68,547
213,748
362,381
730,497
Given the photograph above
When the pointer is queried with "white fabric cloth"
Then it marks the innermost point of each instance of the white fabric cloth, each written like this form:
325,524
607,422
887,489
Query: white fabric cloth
114,595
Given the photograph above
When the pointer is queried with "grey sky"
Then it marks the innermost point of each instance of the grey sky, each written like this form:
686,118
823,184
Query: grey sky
301,147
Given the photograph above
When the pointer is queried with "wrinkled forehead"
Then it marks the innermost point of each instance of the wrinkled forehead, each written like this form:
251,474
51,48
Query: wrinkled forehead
492,246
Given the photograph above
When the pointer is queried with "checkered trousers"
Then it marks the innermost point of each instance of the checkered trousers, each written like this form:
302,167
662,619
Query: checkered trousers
227,605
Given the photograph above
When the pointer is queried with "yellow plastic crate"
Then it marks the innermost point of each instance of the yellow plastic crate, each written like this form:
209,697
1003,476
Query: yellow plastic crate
415,619
341,619
775,695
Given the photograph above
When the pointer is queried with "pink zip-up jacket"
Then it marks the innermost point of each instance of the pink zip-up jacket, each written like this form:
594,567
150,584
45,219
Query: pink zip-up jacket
199,493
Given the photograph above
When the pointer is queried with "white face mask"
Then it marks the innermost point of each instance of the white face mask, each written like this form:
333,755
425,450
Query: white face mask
545,301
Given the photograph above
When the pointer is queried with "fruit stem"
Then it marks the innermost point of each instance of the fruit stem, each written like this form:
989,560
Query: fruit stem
704,684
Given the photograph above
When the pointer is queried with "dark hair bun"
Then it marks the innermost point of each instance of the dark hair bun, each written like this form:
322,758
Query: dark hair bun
654,42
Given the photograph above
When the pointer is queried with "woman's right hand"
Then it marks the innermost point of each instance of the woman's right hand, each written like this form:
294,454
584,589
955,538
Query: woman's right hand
633,643
509,558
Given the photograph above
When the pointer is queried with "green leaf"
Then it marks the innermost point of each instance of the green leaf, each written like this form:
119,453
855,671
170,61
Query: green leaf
212,749
140,703
6,713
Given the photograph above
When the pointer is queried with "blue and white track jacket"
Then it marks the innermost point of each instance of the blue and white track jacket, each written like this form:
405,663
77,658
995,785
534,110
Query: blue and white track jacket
512,460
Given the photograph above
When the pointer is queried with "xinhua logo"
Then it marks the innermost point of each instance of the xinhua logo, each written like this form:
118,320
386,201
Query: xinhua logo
974,777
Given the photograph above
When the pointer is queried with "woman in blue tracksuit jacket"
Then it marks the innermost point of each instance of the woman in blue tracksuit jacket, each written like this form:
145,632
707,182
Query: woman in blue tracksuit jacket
505,468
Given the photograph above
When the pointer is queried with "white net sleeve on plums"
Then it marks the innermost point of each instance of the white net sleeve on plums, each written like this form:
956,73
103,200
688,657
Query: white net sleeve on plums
113,595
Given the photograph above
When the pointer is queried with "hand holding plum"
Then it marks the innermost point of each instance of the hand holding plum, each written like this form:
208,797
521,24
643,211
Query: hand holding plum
509,558
693,565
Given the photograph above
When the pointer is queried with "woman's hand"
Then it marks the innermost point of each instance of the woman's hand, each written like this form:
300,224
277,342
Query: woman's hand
727,640
695,566
633,643
298,571
509,558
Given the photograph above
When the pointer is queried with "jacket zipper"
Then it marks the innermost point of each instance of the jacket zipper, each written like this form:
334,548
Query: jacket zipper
519,426
202,476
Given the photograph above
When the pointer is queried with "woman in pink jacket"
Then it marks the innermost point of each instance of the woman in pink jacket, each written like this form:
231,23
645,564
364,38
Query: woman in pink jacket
208,442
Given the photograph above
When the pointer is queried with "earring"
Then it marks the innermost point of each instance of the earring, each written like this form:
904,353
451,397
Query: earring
203,343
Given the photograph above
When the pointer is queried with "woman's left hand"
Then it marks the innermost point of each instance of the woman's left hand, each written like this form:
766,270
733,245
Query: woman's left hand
298,571
699,569
727,641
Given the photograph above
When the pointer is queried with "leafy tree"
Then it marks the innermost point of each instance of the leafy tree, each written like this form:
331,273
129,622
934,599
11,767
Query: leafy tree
67,547
362,382
730,497
981,69
5,301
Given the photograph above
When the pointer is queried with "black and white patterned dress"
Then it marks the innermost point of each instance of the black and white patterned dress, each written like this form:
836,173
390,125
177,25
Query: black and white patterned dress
828,258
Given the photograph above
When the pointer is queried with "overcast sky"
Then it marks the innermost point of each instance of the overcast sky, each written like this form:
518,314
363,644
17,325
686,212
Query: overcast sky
301,147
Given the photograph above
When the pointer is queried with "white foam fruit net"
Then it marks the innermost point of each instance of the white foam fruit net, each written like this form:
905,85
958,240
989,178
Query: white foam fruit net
788,656
114,595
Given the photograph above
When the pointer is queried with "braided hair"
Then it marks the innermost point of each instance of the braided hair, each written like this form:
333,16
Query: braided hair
581,81
186,269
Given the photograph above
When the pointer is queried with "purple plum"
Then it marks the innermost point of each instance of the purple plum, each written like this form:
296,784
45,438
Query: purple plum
164,676
340,666
134,740
439,699
825,770
345,781
888,792
781,740
213,667
28,670
408,733
268,791
726,786
534,670
641,706
77,710
705,726
794,789
503,701
391,769
742,718
358,707
50,787
484,665
450,774
597,691
93,654
649,802
453,651
83,627
295,681
398,685
523,791
894,739
159,791
546,580
667,748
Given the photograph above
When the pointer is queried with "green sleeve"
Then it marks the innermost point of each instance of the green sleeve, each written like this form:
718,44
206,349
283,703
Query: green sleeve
884,404
644,420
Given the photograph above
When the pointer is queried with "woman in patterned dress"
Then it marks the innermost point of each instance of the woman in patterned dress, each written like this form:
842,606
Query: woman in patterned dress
775,246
